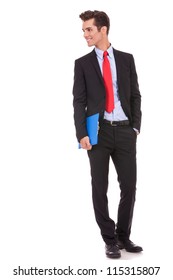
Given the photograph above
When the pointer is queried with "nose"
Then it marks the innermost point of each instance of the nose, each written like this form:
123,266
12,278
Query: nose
85,34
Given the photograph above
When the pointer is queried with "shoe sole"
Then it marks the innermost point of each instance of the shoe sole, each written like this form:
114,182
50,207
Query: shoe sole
131,251
113,256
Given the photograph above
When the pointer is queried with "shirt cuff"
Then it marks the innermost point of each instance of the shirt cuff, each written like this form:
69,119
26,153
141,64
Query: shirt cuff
136,130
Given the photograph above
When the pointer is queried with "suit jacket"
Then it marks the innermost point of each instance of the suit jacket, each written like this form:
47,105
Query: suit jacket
89,91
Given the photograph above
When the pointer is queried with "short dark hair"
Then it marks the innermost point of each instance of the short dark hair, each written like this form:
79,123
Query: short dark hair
100,18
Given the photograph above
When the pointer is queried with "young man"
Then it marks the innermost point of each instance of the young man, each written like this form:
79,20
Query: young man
105,82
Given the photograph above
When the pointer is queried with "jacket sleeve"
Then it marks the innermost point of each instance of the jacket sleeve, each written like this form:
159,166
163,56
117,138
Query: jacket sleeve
135,97
79,101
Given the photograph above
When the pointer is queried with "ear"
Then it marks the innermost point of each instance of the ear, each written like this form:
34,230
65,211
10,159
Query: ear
104,29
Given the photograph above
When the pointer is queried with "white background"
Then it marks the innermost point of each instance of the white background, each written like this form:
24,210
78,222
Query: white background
46,213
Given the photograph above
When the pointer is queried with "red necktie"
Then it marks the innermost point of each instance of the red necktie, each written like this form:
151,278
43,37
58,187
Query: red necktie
107,77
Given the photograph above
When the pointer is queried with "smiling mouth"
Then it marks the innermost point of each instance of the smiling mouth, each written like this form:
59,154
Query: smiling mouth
88,40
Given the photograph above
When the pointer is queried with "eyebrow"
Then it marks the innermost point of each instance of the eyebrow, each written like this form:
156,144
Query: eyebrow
89,27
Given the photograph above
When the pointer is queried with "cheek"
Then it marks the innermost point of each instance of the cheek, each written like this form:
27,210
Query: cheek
97,37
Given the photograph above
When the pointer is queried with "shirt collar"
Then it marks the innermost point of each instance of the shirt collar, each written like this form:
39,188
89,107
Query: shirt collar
99,52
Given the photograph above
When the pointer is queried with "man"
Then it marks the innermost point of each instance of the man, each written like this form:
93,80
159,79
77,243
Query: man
105,82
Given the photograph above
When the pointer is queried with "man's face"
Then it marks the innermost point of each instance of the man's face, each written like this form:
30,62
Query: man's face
91,33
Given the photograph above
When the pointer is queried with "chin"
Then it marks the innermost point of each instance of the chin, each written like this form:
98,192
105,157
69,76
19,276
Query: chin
90,45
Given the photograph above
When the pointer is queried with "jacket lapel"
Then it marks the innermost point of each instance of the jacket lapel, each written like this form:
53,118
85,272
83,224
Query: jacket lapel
118,66
94,61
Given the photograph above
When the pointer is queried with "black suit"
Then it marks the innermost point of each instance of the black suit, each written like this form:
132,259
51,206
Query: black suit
119,143
89,90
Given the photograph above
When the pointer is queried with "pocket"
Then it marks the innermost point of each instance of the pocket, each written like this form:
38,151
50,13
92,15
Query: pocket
131,131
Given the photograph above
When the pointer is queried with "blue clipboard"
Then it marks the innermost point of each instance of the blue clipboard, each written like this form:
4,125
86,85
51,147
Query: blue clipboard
92,125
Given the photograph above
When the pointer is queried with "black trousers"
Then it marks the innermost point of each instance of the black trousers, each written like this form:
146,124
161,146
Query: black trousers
119,144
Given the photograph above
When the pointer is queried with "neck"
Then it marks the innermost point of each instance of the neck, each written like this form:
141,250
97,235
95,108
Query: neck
103,45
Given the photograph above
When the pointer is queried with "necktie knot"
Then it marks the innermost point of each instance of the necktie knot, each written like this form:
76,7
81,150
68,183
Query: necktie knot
105,54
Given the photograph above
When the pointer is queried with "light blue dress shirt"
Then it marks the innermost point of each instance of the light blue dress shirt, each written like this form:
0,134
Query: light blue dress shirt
117,114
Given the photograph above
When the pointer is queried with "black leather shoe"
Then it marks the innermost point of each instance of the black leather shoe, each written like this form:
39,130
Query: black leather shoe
112,251
129,246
